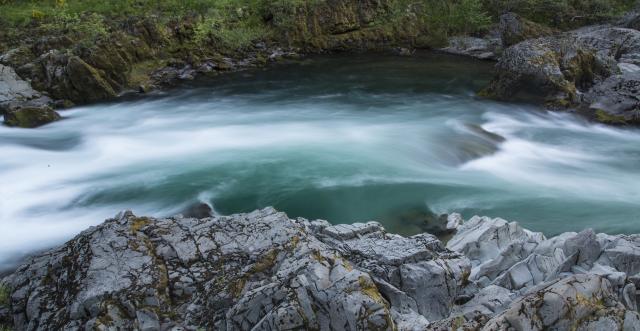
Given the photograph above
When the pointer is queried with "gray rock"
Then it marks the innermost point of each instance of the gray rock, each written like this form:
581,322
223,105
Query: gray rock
16,93
264,271
616,100
562,68
582,302
493,245
488,48
514,29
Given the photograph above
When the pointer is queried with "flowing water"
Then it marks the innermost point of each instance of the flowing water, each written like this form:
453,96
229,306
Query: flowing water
343,138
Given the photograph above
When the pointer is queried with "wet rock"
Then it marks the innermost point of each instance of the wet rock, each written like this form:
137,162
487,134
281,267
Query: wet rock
488,48
30,117
198,210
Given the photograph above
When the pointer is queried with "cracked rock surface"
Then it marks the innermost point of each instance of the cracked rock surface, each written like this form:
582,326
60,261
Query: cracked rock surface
265,271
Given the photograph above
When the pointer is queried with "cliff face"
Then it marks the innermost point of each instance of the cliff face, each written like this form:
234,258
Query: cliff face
264,271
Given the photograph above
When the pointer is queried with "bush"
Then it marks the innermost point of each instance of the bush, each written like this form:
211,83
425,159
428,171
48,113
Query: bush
561,13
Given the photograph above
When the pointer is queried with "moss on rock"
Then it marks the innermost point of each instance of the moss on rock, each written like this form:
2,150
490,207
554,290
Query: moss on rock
30,117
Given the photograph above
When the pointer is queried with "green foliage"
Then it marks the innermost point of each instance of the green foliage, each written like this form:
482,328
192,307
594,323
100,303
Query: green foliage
440,19
561,13
232,24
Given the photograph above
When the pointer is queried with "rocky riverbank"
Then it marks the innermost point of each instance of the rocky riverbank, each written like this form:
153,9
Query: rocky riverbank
90,58
263,270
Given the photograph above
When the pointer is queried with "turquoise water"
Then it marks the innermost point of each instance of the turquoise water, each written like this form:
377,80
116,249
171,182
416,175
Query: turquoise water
343,138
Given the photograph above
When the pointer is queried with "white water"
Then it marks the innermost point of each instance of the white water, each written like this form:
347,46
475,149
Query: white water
345,139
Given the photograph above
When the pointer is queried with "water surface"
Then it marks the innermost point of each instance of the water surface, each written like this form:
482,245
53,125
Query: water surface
346,139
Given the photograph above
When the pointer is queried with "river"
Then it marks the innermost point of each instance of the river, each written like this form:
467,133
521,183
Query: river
342,138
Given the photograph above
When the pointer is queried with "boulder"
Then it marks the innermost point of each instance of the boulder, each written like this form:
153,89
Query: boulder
514,29
14,90
488,48
30,117
561,69
616,100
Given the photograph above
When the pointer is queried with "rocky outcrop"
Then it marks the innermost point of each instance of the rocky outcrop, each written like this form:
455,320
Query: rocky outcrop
514,29
264,271
20,104
590,68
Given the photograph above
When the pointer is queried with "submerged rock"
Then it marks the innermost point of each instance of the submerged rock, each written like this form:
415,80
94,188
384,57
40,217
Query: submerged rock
264,271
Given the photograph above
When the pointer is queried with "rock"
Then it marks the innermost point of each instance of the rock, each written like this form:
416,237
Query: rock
402,51
264,271
514,29
454,221
30,117
580,302
259,270
560,69
488,48
88,82
493,245
198,210
14,91
417,274
615,100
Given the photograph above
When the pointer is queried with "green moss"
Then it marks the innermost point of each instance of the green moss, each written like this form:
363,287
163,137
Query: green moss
5,295
31,117
604,117
369,289
137,223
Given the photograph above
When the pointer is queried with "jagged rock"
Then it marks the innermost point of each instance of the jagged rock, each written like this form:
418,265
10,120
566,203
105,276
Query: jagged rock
493,245
488,48
514,29
580,302
561,68
417,274
264,271
258,270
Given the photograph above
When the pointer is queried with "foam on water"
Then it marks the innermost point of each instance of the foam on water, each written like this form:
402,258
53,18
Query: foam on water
345,139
